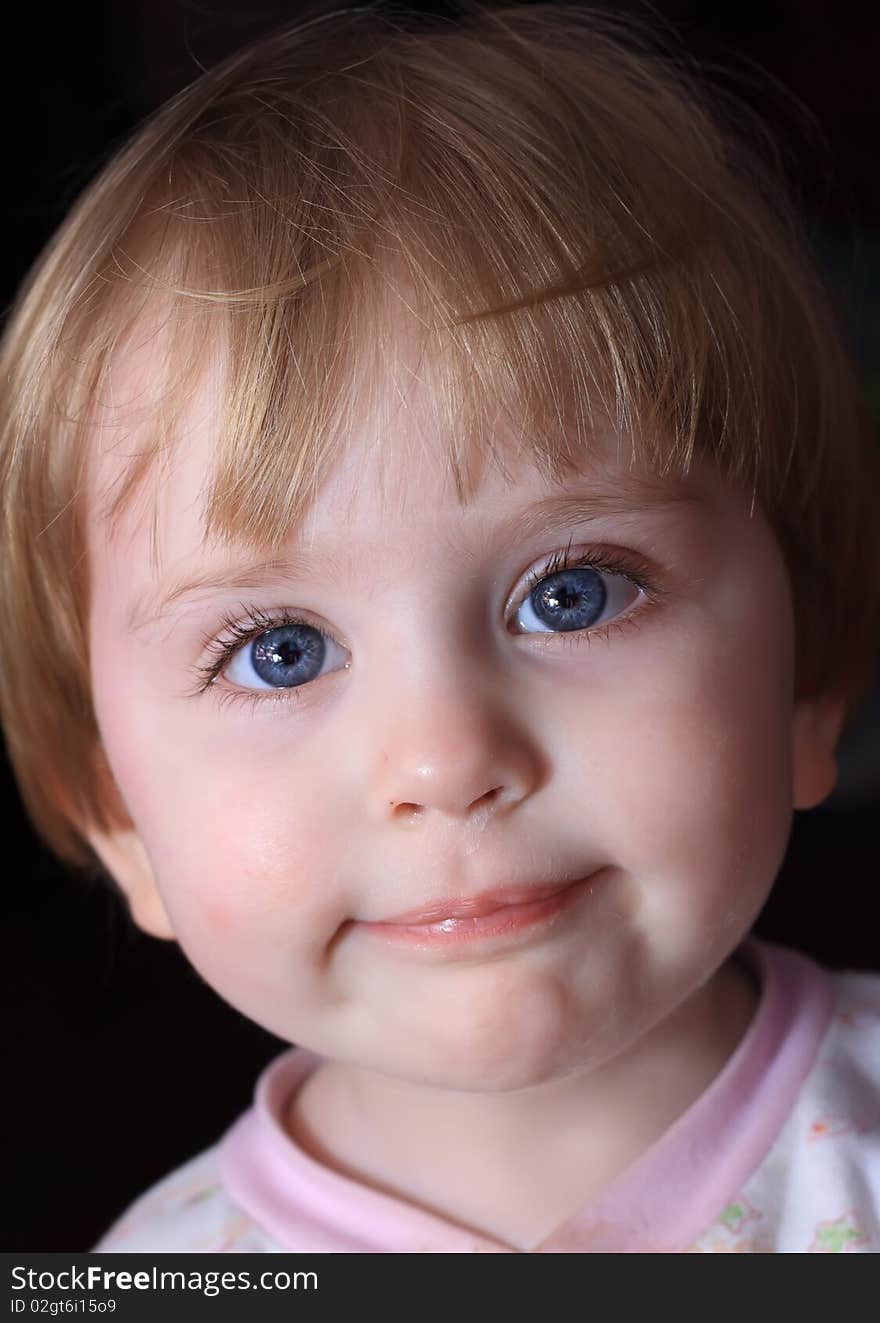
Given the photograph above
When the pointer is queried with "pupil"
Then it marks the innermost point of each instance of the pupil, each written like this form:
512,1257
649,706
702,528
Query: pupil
286,653
571,599
290,654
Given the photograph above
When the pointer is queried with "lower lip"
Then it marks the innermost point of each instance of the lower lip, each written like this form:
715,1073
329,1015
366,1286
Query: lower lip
485,930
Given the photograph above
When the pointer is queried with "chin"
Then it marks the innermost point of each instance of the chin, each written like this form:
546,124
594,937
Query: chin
502,1065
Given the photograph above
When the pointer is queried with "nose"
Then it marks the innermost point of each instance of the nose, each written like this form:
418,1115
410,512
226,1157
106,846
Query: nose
457,754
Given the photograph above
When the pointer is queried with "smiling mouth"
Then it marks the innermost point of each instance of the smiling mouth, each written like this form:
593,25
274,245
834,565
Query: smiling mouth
483,922
476,907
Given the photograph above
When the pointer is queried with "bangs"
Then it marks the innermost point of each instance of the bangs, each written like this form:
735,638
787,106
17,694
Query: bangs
456,203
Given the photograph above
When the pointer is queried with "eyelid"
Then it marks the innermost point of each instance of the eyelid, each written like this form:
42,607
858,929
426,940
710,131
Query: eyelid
624,562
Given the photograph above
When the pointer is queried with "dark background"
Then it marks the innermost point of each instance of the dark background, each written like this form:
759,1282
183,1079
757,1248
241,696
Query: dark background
120,1063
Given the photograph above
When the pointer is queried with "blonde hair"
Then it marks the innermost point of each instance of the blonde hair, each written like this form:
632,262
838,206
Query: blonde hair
577,233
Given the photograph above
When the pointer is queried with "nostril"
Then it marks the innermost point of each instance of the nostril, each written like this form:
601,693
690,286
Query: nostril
405,809
489,798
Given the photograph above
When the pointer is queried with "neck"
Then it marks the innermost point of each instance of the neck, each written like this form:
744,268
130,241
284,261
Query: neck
515,1165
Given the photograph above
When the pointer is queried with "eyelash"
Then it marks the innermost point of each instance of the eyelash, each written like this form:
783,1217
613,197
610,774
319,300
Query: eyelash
236,632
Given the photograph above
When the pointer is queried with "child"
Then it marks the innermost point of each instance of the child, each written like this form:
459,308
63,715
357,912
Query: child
456,518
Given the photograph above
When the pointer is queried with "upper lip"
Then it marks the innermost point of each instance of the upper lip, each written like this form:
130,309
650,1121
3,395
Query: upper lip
466,907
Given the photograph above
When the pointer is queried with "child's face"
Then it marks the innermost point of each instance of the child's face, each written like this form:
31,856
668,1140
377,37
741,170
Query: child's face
454,742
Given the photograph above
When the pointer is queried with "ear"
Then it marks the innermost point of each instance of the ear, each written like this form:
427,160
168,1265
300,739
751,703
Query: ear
816,727
123,855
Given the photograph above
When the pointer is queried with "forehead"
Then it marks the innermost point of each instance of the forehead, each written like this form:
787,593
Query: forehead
394,466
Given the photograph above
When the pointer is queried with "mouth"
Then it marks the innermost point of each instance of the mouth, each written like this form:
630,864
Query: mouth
480,922
476,907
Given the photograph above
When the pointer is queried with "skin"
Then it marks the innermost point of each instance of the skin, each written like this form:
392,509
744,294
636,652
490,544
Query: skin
456,751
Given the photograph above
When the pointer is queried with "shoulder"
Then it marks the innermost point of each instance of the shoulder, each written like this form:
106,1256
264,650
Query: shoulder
827,1167
839,1106
858,1000
188,1210
817,1189
849,1059
831,1171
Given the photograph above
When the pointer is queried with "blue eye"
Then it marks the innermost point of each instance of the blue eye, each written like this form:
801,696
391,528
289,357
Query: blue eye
572,599
283,657
265,652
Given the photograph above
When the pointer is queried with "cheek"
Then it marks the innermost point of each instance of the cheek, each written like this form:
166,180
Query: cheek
247,916
238,845
244,861
695,781
205,913
712,784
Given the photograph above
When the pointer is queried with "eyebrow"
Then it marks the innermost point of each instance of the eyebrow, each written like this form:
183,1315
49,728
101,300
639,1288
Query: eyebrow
641,495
